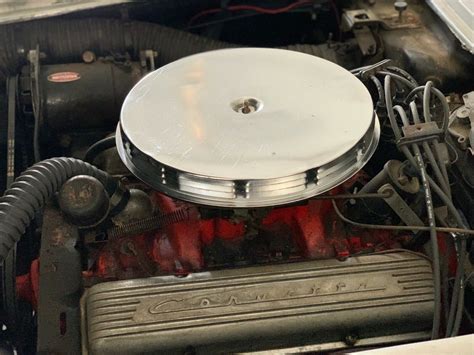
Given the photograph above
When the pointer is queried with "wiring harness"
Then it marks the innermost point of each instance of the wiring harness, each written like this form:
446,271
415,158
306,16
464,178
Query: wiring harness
418,116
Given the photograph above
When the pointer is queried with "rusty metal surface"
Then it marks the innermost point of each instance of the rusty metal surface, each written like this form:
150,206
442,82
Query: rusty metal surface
428,50
268,306
59,287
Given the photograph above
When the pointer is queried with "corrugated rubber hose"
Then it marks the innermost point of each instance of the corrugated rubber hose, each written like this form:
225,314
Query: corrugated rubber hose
66,40
33,188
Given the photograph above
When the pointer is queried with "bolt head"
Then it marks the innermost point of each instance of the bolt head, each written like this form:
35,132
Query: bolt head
88,57
400,5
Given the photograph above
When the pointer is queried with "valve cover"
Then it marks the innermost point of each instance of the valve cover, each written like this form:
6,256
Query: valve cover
247,127
362,300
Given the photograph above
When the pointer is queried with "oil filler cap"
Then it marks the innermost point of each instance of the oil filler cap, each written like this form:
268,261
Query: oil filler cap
247,127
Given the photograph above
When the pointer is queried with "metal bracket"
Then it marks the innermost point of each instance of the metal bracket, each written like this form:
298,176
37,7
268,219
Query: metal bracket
420,132
358,18
366,40
12,90
147,59
399,206
34,56
60,287
461,123
409,21
8,266
363,17
34,59
360,23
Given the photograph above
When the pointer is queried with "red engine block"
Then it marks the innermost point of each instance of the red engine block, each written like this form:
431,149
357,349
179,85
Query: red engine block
313,227
178,249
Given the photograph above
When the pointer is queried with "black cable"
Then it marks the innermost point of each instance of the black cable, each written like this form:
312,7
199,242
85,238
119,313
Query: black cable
454,315
404,74
98,147
445,287
352,196
432,228
429,153
439,166
426,113
434,245
417,161
457,299
397,132
33,188
379,88
389,106
459,311
399,228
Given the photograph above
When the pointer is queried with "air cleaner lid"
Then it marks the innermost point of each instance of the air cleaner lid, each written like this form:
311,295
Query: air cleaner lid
247,127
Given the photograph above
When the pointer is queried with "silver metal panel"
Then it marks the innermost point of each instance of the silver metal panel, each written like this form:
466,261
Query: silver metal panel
312,111
260,307
459,16
247,127
26,10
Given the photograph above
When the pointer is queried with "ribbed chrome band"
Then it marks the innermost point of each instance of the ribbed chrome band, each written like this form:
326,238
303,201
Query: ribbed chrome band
247,193
247,127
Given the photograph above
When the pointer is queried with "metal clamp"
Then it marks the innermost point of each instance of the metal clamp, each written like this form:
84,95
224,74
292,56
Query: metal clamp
360,23
147,59
399,206
358,18
420,132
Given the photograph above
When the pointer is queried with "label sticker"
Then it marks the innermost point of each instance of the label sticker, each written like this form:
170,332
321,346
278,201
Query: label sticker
64,77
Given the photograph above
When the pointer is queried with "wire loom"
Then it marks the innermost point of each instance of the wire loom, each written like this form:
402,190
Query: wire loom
413,137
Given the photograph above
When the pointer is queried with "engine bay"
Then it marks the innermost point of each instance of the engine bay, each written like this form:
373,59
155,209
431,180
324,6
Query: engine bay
199,177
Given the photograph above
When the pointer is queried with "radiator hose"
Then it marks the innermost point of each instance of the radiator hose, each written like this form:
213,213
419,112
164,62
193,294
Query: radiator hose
33,188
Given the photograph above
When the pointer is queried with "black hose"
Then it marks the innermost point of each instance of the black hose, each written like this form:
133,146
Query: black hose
404,74
66,40
98,147
33,188
378,85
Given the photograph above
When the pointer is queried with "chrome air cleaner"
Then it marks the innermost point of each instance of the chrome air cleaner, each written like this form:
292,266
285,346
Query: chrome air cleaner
247,127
